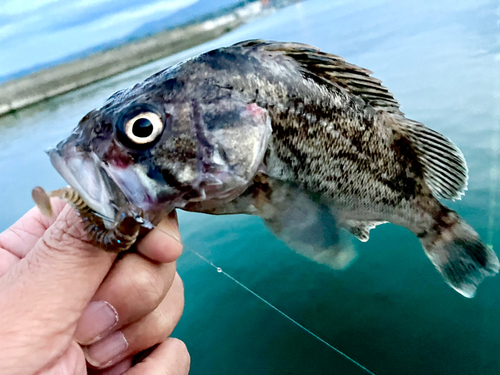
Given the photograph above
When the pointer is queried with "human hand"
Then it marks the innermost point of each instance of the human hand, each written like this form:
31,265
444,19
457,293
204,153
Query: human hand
63,301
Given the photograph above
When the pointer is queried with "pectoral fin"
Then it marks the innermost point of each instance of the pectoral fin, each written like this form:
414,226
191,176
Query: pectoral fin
305,224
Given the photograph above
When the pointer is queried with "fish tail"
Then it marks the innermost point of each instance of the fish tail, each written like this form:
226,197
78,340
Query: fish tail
458,254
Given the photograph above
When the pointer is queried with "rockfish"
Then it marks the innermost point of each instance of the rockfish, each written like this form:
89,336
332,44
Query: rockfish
297,136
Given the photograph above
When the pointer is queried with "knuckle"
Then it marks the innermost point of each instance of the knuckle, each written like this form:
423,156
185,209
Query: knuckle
166,317
50,246
150,286
66,232
164,323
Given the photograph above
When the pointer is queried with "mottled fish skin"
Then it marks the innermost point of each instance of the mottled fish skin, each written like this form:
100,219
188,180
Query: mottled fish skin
323,138
243,125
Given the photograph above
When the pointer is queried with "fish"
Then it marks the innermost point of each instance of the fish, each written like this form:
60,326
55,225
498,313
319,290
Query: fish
312,144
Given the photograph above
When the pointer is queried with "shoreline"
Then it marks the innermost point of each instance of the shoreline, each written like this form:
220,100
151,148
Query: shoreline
60,79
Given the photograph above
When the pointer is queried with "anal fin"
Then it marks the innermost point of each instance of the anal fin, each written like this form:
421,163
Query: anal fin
360,229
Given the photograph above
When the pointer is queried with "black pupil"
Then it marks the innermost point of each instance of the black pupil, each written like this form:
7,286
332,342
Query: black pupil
142,128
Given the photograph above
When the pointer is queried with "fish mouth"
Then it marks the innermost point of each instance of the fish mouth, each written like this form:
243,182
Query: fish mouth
86,174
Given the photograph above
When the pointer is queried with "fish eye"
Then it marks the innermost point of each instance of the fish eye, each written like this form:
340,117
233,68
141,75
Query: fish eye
144,128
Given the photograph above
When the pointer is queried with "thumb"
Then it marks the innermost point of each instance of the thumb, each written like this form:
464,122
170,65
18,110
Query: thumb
43,296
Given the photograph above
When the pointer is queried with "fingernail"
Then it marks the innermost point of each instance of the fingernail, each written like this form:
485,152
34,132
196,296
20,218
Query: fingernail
119,368
98,318
106,351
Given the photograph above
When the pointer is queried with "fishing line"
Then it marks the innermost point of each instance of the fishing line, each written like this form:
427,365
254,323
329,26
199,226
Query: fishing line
220,270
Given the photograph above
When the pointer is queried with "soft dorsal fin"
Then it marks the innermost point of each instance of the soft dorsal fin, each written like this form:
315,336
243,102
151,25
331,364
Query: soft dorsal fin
445,169
333,69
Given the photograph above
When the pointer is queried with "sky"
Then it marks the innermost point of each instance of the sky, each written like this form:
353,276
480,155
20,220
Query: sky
40,31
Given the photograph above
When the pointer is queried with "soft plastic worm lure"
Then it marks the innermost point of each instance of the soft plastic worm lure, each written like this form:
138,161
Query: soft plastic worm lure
119,237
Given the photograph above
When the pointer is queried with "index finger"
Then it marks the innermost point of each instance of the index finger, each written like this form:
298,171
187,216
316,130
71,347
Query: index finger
163,244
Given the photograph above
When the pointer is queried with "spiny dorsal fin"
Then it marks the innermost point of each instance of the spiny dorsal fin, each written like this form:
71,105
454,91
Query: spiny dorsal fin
333,69
445,169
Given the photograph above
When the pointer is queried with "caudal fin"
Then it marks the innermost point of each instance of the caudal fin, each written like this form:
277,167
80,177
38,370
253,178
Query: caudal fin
461,257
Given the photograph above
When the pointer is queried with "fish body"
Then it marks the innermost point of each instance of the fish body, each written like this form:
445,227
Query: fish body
286,132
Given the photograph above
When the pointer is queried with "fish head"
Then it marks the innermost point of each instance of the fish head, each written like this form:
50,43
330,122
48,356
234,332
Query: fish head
158,152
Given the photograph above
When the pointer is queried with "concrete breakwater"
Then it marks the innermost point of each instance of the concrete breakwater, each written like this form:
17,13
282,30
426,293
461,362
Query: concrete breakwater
60,79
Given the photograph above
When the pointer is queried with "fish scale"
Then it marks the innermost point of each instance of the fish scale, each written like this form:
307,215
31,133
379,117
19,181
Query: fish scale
302,138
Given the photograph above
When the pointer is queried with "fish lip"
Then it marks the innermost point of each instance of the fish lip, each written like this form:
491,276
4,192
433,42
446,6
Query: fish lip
105,187
84,173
